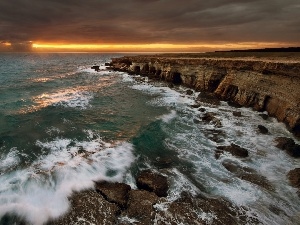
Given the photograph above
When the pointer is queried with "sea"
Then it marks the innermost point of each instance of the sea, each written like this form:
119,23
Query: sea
63,126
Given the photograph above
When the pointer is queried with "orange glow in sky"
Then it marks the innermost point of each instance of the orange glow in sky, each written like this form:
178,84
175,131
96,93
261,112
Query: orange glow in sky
149,47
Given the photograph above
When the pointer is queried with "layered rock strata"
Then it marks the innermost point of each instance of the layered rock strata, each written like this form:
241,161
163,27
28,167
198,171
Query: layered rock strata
271,86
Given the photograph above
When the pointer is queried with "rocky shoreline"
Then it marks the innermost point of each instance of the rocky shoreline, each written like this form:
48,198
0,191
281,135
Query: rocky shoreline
265,85
117,203
254,84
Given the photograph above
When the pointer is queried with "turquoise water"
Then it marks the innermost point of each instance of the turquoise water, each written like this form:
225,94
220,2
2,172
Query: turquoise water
63,126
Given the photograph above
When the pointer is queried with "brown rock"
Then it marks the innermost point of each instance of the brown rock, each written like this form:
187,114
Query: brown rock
237,114
262,129
153,182
264,116
256,179
195,106
289,145
114,192
209,98
189,92
235,150
186,210
89,207
209,117
140,206
248,174
294,177
284,143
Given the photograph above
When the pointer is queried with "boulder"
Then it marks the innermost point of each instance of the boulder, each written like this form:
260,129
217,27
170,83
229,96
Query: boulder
262,129
202,110
153,182
195,106
209,117
264,116
236,113
107,64
289,145
88,207
247,174
114,192
140,206
96,68
256,179
189,92
234,150
294,177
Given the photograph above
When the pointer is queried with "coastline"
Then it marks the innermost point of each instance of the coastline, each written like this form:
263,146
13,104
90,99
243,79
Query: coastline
265,84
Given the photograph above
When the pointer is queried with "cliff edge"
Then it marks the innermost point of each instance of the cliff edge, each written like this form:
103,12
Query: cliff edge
271,85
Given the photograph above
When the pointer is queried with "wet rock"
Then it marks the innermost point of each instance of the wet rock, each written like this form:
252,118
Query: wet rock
195,106
114,192
140,206
289,145
202,110
153,182
236,113
264,116
234,150
294,177
89,207
186,210
189,92
209,98
96,68
284,143
262,129
247,174
209,117
256,179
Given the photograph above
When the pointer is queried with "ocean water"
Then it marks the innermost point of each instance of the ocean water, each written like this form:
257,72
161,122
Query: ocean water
64,126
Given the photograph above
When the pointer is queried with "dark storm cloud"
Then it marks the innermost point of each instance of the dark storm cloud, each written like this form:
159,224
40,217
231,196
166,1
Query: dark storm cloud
149,21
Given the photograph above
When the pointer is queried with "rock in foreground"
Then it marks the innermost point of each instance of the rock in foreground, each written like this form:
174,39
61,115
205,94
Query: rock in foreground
289,145
114,192
153,182
89,207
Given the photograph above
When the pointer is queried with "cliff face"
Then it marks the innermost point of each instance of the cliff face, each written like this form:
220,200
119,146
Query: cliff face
271,86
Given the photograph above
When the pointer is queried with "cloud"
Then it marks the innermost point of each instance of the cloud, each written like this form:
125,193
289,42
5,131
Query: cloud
149,21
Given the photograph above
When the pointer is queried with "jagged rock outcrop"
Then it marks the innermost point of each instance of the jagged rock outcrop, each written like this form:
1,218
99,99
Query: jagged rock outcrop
264,85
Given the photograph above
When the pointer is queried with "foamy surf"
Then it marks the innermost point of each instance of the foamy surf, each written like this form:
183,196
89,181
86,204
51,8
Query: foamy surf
43,188
194,145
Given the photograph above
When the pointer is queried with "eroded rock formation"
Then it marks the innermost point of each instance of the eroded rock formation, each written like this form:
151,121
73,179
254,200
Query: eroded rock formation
264,85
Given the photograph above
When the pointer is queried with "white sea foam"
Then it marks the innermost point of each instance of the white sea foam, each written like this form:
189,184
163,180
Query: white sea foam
43,188
168,117
193,146
167,96
72,97
9,160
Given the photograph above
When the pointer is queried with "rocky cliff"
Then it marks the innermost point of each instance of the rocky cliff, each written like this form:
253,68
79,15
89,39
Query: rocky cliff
265,85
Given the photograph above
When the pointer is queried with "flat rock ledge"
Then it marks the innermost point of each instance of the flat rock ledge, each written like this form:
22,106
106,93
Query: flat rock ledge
118,204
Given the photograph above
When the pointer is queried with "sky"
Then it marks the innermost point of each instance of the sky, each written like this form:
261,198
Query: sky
147,25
